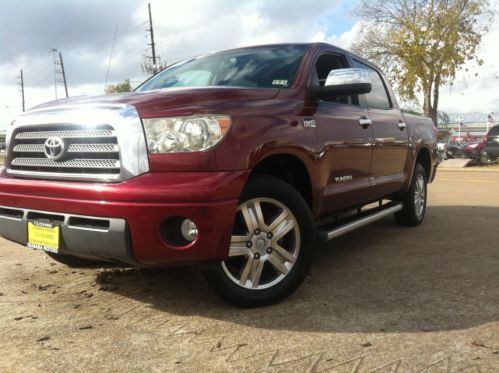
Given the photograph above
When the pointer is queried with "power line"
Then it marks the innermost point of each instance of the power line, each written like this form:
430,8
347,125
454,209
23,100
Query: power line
110,56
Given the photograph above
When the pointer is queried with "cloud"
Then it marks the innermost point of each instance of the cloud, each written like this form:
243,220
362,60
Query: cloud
343,40
476,88
83,32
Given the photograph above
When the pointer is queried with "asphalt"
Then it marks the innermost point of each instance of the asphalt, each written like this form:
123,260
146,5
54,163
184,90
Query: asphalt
382,299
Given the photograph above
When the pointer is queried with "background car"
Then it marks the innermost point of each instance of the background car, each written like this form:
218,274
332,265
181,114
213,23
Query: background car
441,149
455,149
490,152
473,149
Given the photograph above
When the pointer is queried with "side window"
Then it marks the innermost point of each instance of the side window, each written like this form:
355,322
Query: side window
377,98
326,63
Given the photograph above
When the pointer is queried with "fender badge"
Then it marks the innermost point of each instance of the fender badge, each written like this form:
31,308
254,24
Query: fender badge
309,123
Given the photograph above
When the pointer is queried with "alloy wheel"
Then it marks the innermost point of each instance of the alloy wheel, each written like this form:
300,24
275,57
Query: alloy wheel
264,246
420,195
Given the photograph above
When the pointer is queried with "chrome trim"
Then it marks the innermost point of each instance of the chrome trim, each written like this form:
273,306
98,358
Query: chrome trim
65,176
74,163
71,134
123,118
73,148
339,231
93,148
365,122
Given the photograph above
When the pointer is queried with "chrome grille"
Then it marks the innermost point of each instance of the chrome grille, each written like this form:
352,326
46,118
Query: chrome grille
93,153
73,148
75,163
65,134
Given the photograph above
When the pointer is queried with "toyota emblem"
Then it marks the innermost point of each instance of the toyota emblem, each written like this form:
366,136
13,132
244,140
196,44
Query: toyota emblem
54,148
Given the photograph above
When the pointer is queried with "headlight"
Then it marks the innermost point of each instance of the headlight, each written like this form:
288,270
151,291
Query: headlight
185,134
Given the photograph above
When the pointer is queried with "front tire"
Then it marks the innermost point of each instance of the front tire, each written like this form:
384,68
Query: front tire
271,246
415,200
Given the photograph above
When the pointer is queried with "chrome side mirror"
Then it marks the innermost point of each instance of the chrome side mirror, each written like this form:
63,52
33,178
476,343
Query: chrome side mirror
345,82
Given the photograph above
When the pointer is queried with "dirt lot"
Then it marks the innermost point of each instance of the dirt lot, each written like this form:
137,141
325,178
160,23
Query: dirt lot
384,299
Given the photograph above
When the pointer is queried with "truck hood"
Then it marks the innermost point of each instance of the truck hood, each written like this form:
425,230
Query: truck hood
171,101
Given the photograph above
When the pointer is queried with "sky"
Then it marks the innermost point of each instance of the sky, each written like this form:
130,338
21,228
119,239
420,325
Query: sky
83,32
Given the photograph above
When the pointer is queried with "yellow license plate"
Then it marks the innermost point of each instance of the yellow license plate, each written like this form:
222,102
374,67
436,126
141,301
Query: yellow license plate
43,236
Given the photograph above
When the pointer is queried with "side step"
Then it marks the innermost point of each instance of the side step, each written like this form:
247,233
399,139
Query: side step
362,219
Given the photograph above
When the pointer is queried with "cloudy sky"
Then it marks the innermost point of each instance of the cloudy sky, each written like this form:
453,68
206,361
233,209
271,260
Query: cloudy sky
83,32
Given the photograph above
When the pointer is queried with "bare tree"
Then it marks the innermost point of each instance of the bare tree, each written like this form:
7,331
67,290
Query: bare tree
421,44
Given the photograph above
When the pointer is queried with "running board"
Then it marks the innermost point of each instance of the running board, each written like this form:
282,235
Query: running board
367,218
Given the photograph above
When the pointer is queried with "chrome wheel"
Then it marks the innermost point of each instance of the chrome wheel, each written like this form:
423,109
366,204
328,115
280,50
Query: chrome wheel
420,195
264,246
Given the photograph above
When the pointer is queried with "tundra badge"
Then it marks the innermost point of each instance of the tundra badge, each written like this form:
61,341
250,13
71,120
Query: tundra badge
340,179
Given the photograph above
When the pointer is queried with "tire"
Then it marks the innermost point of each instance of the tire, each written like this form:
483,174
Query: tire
75,262
415,200
271,252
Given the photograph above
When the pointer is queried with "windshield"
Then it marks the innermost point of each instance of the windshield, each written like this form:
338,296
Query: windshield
264,67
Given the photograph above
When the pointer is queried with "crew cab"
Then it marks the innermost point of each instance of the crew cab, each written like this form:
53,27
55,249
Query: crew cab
238,161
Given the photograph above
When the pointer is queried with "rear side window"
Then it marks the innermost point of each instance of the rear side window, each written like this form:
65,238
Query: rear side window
378,97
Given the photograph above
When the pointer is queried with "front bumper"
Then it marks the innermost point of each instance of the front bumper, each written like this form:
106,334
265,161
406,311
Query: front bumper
122,221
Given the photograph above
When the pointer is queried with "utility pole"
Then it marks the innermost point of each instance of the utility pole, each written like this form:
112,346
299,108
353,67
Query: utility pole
21,83
156,65
153,46
63,74
54,51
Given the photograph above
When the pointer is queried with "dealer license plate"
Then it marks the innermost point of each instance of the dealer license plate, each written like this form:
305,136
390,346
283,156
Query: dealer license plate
43,236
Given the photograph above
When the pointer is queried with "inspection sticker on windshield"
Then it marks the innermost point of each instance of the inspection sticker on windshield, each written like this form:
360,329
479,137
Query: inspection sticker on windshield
282,82
43,236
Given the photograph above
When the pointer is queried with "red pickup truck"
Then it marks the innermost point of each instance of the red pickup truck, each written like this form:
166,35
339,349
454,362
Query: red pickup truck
239,161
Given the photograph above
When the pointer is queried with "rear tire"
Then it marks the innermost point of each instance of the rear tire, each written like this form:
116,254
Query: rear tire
415,200
271,245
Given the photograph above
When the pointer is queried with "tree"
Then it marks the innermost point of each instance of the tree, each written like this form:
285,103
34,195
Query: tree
120,87
422,44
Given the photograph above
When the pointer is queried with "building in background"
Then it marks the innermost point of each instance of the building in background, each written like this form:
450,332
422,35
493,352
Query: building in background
466,126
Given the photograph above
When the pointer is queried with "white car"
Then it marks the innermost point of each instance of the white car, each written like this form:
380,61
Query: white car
442,146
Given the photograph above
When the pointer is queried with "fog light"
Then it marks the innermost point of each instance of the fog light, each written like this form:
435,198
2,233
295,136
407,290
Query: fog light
189,230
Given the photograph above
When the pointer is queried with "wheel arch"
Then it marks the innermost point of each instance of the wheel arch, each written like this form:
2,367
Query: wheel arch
424,158
290,169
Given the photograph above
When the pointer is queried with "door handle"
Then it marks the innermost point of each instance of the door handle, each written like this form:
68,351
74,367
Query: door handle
401,125
365,122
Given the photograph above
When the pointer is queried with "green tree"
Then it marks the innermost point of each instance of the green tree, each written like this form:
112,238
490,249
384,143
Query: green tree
421,44
120,87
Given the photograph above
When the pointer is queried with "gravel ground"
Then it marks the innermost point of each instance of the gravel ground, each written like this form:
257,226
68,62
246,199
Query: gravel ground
382,299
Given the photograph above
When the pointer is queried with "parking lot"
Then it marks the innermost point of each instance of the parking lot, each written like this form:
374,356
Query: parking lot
384,299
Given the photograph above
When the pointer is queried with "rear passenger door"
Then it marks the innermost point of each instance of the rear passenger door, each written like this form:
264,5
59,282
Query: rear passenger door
391,140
